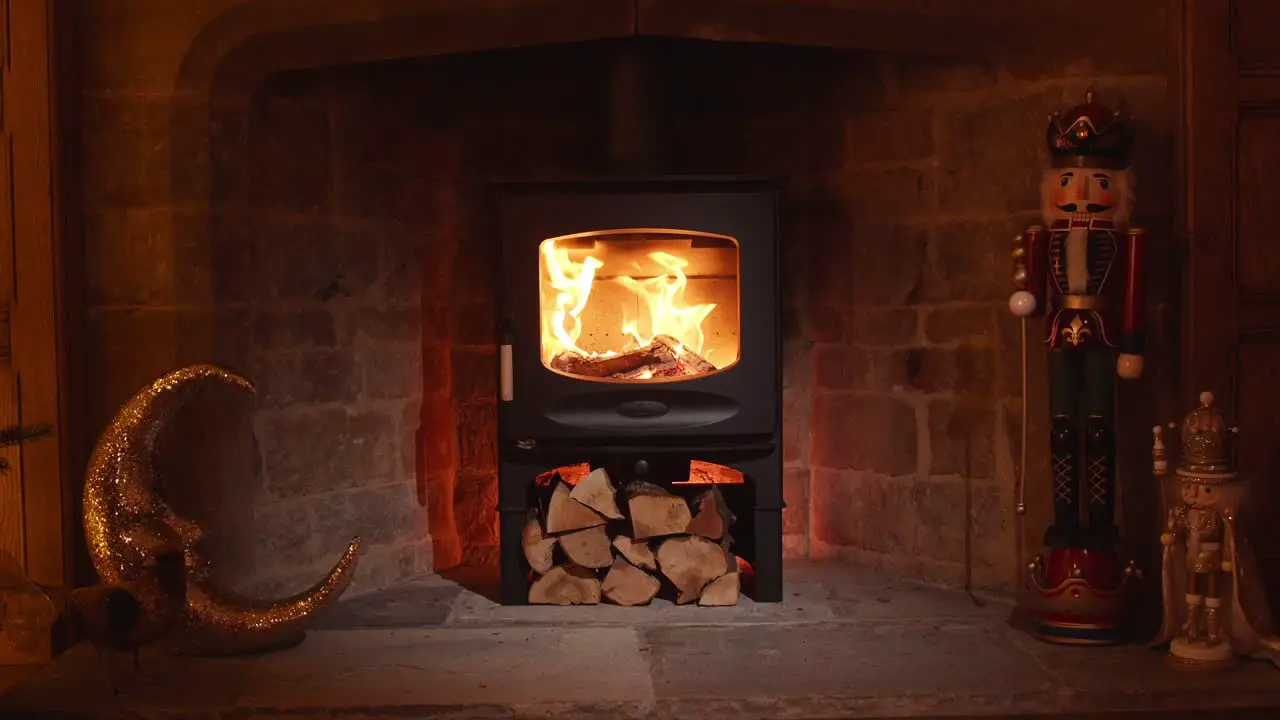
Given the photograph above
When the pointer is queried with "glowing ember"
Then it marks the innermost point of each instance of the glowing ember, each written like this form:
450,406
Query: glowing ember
599,322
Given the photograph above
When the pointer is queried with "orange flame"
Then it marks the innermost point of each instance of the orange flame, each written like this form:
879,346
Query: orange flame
567,289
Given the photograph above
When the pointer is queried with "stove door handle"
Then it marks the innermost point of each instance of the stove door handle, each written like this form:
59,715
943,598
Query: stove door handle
506,380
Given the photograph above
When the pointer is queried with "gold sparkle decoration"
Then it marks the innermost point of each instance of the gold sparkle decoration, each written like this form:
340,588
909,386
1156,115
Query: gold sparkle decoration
127,524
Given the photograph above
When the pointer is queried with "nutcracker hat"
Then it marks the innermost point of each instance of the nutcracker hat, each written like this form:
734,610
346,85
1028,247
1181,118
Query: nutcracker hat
1089,135
1207,445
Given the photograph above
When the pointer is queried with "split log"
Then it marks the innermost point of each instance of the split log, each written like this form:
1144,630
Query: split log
655,512
637,552
690,563
538,546
713,517
723,591
564,514
588,547
665,356
626,584
596,492
566,584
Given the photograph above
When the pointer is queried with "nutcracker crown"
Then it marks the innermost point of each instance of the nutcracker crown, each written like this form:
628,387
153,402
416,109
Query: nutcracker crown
1207,444
1089,135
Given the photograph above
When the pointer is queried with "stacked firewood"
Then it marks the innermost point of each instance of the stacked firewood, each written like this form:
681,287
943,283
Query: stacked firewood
589,541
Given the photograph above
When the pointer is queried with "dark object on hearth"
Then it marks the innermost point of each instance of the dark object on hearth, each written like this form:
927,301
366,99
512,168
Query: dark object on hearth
661,392
126,618
1084,272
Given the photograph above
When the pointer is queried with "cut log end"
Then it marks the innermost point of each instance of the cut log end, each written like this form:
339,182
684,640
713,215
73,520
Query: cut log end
564,514
628,585
691,563
588,547
713,517
538,546
656,512
722,592
566,585
637,552
595,490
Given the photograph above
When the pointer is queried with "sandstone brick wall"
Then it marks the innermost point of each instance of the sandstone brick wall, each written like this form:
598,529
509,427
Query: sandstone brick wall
338,253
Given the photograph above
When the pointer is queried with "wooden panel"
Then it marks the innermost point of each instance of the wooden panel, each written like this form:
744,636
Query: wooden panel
1255,24
1257,212
1259,453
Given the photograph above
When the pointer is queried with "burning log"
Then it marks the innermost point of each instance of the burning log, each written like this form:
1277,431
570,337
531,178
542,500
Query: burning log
664,357
589,547
595,490
564,514
538,547
655,512
628,585
637,552
691,563
566,584
713,516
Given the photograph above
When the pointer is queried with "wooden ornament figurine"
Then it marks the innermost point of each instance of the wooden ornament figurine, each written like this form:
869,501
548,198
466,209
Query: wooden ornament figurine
1215,609
1083,271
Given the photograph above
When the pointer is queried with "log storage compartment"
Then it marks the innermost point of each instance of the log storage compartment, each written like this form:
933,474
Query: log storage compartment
640,392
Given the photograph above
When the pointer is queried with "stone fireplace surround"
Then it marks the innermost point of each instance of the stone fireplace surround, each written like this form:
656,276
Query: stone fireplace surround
301,201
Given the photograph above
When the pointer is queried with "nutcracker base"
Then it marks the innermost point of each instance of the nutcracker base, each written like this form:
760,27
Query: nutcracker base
1199,656
1079,596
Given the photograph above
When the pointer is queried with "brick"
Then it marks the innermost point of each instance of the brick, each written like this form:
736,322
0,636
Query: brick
302,452
288,139
795,425
863,510
410,450
853,432
369,453
939,508
284,329
439,437
963,370
967,326
475,499
380,516
867,265
888,327
970,261
795,493
841,367
127,153
994,177
796,366
232,343
307,376
403,266
1009,347
437,372
904,193
282,530
385,193
378,326
918,80
391,372
236,274
143,257
478,438
825,324
962,439
888,136
313,260
377,122
475,323
475,374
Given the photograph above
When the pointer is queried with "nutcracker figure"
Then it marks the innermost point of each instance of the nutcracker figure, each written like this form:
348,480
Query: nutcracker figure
1215,608
1083,270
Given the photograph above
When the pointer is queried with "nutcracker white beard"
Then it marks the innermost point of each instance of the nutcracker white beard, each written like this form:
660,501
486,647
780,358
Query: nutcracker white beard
1087,193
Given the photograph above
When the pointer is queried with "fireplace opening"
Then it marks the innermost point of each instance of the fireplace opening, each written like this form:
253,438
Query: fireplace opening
639,305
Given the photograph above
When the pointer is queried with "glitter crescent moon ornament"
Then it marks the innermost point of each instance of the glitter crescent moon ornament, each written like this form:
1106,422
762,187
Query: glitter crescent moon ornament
127,524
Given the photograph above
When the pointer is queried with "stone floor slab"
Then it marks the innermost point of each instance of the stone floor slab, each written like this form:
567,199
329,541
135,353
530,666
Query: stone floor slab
411,605
874,659
503,666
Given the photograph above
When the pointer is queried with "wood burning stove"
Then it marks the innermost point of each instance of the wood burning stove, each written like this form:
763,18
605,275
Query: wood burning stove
640,333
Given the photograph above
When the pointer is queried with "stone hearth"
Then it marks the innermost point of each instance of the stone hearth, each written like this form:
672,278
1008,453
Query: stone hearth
276,202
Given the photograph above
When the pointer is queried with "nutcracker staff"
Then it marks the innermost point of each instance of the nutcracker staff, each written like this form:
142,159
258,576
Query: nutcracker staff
1083,271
